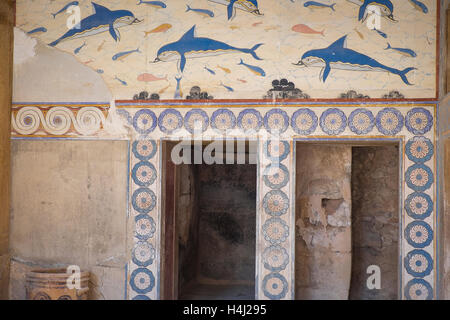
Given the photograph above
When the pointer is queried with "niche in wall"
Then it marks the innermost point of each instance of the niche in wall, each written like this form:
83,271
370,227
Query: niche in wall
347,219
210,239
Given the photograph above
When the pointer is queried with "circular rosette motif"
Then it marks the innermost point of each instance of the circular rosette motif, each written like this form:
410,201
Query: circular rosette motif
223,120
389,121
275,286
418,289
143,254
304,121
275,150
418,263
170,120
145,227
419,121
333,121
275,230
419,149
276,203
275,258
419,205
419,234
276,176
249,120
419,177
144,149
143,200
144,121
196,121
144,174
361,121
276,121
142,280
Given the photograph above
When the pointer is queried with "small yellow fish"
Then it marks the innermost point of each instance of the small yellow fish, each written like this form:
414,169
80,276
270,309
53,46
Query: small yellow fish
162,28
164,89
226,70
234,27
359,34
272,28
100,47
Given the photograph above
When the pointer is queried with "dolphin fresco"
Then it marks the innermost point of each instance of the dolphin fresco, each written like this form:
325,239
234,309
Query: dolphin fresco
189,46
386,8
337,56
102,20
250,6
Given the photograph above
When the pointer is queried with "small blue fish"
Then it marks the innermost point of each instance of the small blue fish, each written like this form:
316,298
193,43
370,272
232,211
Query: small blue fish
123,55
178,93
77,50
204,12
405,52
154,3
227,87
256,70
100,71
67,6
318,4
121,81
210,71
40,29
381,33
419,5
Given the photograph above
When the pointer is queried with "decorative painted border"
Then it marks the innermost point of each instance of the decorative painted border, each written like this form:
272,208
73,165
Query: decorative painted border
147,124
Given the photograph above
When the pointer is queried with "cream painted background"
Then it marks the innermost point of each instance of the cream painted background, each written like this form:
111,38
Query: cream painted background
282,47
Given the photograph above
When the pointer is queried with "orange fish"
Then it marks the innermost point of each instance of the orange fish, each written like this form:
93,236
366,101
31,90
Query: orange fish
302,28
89,61
272,28
359,34
100,47
164,89
162,28
256,23
226,70
243,81
147,77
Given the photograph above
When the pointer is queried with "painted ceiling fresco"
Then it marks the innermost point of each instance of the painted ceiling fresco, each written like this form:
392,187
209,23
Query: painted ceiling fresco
235,49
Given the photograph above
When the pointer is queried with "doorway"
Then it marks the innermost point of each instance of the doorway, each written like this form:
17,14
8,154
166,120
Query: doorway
209,216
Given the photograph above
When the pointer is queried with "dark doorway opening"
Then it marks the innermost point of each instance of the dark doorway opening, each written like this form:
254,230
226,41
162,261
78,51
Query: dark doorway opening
209,229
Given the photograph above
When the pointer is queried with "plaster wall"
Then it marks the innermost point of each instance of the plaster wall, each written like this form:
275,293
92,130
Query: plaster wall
69,207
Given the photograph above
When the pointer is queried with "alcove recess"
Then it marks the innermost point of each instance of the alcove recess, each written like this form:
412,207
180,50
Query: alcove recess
347,219
209,229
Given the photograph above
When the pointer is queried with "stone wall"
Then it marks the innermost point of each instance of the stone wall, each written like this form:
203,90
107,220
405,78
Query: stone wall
323,222
375,219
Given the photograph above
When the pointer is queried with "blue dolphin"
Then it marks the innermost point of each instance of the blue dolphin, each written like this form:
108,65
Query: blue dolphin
190,46
337,56
386,9
251,5
102,20
245,5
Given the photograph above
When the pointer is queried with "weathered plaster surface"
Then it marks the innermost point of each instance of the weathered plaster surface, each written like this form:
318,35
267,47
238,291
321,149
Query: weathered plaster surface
42,73
72,210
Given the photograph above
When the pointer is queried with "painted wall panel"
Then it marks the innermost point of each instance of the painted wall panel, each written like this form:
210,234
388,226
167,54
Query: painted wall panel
123,38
